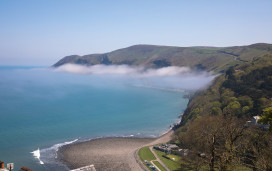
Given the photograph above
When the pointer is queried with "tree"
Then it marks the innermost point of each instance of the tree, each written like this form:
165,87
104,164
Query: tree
232,138
245,109
234,107
219,137
267,117
245,101
201,137
216,111
258,149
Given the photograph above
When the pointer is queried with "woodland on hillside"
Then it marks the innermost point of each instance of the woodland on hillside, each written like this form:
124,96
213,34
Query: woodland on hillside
214,125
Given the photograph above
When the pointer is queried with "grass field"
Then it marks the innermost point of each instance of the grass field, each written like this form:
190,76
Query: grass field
145,154
172,165
183,164
159,165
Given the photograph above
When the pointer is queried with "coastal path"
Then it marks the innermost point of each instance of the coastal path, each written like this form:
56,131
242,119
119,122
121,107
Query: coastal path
155,165
137,161
158,159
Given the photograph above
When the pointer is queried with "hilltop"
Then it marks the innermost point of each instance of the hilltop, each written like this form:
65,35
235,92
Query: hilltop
216,59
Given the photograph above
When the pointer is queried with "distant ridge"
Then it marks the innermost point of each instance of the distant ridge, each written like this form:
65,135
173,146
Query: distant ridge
216,59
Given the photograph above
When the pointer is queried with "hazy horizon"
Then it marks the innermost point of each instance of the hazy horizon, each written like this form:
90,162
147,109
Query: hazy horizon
41,33
57,59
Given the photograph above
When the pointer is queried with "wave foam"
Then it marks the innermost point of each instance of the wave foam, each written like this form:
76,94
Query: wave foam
48,155
57,146
37,155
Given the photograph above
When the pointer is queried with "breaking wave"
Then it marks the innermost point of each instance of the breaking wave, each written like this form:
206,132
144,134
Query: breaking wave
37,155
49,155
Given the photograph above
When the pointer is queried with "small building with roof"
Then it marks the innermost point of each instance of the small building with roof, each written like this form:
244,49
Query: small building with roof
254,122
25,169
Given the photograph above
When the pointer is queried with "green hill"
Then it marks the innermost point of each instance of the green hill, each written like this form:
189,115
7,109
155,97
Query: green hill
215,59
214,126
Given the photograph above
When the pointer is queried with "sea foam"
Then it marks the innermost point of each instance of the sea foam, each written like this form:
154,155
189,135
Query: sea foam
48,154
37,155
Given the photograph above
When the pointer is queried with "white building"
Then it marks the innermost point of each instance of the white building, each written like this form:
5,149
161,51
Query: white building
254,122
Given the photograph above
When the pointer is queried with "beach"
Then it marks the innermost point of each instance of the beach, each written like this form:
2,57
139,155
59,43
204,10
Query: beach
108,154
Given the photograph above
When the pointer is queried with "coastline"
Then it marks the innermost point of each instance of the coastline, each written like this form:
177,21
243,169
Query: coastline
110,153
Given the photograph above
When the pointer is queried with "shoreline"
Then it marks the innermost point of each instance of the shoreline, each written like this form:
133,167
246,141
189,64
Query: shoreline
108,153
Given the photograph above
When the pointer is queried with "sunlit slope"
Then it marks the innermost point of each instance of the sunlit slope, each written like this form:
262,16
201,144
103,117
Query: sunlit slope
206,58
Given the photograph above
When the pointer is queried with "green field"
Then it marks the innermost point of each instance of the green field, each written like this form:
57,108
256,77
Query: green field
159,165
172,165
183,164
145,154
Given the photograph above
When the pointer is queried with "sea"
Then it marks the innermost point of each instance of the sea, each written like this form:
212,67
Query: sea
42,109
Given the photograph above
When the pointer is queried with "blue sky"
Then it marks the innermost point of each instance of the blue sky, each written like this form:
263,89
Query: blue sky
40,32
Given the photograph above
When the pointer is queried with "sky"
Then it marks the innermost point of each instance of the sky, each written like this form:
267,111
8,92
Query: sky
40,32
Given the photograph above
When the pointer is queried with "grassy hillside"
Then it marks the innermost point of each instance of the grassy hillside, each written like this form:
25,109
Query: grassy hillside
207,58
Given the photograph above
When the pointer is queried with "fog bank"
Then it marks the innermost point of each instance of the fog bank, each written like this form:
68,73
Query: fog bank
171,77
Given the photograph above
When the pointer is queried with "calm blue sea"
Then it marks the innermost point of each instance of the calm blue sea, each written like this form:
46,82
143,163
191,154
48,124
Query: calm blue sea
43,109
